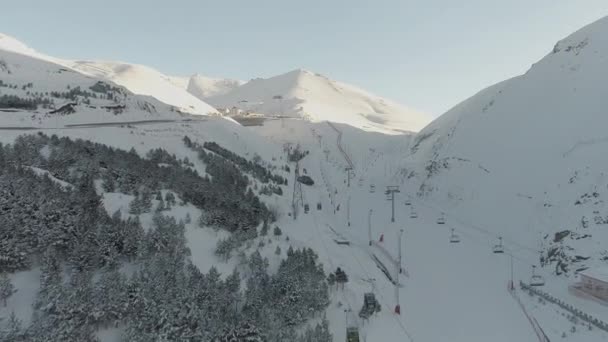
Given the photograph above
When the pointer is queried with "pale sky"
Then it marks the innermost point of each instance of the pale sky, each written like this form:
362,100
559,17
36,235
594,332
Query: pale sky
426,54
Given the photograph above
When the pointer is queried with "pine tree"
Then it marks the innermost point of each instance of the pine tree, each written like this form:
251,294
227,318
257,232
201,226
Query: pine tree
6,288
146,200
13,331
341,277
161,205
135,207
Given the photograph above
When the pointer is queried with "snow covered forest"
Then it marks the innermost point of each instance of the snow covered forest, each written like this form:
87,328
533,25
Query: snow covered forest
99,270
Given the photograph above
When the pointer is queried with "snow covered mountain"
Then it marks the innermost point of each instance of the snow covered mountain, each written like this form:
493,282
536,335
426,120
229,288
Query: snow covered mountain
146,81
304,94
204,87
522,159
138,79
525,158
35,91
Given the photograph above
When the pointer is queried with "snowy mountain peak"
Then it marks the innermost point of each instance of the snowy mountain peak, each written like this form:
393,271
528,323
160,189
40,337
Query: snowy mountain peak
305,94
204,87
12,44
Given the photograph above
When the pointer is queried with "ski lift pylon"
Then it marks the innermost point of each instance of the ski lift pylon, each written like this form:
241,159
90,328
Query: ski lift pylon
499,248
454,238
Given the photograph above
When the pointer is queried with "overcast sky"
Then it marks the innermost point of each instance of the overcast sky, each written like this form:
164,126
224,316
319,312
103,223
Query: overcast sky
425,54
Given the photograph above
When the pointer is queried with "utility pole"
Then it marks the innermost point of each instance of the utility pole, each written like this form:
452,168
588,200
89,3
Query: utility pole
348,210
400,247
346,311
398,282
297,191
511,284
390,192
369,226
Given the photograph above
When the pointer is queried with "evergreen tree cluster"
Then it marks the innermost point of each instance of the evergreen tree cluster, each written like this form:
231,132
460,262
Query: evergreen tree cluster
81,251
38,214
257,170
224,199
29,103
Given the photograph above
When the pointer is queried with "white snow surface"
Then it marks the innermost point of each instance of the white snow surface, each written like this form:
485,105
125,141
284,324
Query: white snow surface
304,94
145,81
139,79
204,87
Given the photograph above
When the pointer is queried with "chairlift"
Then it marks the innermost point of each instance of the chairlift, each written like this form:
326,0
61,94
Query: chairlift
441,219
408,202
306,208
454,238
413,215
536,280
499,248
372,189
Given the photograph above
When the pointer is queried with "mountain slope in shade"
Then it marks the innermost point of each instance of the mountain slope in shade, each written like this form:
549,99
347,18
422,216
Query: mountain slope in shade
525,158
304,94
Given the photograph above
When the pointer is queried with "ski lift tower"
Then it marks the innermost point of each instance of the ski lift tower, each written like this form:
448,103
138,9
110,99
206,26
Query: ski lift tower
369,226
390,193
348,210
349,171
398,283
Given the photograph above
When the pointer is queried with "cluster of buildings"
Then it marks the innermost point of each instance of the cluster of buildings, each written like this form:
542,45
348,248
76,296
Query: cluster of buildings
237,112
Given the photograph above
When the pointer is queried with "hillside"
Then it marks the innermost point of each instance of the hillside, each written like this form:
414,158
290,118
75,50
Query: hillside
126,220
525,157
204,87
37,92
145,81
138,79
303,94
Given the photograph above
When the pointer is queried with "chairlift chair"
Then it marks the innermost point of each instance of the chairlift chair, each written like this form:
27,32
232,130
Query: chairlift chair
499,248
441,220
454,238
372,189
413,215
408,202
536,279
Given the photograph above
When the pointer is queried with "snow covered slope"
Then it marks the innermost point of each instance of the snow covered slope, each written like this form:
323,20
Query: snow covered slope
138,79
204,87
525,158
304,94
35,92
145,81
